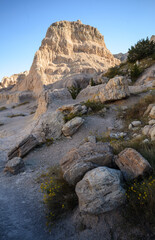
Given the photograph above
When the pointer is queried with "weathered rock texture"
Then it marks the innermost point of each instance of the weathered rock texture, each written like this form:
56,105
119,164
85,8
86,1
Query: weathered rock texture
14,166
116,88
72,126
9,81
80,160
132,164
100,191
71,52
24,147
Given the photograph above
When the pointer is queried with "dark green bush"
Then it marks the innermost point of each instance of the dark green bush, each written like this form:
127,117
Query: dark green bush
92,83
135,72
74,91
142,49
95,106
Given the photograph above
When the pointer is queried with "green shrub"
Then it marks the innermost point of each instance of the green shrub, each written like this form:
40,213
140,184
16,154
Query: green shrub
142,49
135,72
2,108
136,111
49,141
59,197
92,83
95,106
20,104
74,91
70,116
140,201
16,115
112,72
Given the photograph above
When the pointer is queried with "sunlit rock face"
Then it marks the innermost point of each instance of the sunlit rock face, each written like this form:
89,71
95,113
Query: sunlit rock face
70,54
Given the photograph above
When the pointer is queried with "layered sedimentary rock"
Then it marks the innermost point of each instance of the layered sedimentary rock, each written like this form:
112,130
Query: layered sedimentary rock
12,80
70,54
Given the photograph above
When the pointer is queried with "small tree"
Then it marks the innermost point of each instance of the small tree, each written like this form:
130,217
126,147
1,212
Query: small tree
135,72
142,49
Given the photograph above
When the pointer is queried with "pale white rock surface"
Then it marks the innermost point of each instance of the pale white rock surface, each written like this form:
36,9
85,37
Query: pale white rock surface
80,160
132,164
152,122
72,126
152,113
100,191
146,129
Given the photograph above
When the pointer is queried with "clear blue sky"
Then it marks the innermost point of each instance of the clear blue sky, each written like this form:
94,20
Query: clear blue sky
23,24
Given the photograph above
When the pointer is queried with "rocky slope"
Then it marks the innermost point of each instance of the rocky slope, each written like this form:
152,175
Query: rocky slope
70,54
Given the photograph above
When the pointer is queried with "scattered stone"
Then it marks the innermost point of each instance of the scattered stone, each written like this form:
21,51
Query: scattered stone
152,122
72,126
92,139
132,164
24,147
118,135
152,112
146,140
124,108
80,160
14,166
146,129
152,133
100,191
116,88
136,123
148,109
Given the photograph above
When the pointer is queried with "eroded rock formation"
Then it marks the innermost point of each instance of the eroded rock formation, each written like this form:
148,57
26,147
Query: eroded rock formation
70,54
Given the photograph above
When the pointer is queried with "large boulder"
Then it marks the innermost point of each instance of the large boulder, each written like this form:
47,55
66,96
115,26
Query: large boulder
132,164
100,191
72,126
115,89
14,166
49,126
80,160
24,147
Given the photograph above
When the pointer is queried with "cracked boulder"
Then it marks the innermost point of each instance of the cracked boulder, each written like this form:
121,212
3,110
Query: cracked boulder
100,191
80,160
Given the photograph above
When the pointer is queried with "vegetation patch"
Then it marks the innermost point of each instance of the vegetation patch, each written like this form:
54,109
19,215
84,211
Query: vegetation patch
140,201
20,104
59,197
95,106
49,141
74,91
136,112
16,115
71,115
2,108
142,49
